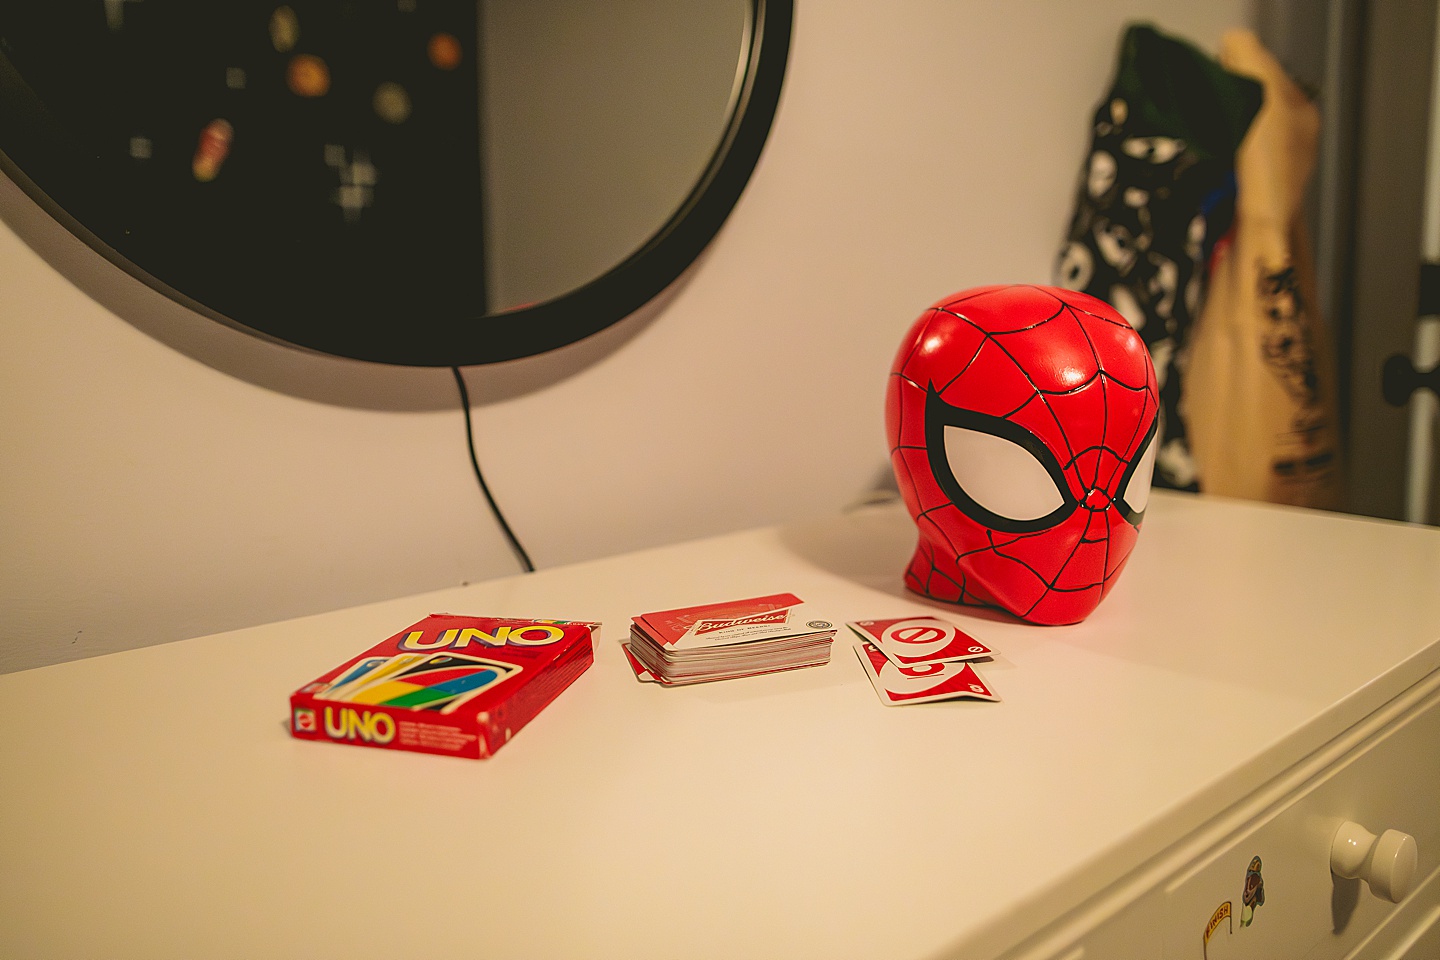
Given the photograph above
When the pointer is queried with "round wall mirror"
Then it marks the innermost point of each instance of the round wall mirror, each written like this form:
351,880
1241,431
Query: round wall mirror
420,182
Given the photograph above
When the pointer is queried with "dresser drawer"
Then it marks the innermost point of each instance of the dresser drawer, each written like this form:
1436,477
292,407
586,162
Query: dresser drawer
1411,933
1266,890
1192,902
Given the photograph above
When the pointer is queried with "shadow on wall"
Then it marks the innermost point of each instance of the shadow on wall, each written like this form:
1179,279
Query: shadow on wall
290,370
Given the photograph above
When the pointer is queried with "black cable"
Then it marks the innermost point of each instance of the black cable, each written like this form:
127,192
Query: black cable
484,487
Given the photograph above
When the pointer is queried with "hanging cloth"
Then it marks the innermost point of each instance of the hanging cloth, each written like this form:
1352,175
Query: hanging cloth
1154,195
1260,402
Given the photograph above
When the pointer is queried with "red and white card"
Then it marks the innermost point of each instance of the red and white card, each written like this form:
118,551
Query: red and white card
908,641
642,673
922,683
735,621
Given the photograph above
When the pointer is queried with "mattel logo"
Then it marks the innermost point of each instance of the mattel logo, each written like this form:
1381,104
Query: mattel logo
304,720
754,619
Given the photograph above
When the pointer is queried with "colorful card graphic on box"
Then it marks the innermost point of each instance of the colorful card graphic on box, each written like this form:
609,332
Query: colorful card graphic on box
923,683
451,685
911,640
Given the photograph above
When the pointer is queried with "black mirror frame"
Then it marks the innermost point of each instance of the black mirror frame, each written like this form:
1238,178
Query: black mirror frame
539,328
639,278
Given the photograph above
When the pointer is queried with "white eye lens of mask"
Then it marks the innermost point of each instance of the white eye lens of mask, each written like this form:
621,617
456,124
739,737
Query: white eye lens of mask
1137,489
1001,476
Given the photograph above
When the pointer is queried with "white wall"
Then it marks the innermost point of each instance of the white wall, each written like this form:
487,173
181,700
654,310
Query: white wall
922,146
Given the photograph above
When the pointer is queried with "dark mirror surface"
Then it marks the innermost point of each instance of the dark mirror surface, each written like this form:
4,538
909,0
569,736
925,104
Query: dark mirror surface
429,182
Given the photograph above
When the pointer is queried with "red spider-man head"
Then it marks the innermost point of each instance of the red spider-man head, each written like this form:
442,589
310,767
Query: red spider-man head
1022,426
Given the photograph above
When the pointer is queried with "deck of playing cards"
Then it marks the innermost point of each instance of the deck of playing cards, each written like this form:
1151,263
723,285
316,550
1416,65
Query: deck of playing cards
457,686
920,660
723,641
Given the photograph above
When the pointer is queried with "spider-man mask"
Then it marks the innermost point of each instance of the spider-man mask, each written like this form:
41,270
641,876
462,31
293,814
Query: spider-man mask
1022,426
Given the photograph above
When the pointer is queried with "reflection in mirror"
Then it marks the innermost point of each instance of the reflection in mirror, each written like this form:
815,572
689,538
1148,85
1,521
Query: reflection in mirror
430,182
597,120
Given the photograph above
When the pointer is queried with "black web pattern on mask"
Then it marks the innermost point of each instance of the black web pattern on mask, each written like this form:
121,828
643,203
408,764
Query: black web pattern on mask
1069,465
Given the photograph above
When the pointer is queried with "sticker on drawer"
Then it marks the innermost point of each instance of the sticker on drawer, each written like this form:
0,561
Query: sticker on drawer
1218,912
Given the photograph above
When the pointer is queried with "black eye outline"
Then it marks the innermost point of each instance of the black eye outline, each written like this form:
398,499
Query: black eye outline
939,415
1131,515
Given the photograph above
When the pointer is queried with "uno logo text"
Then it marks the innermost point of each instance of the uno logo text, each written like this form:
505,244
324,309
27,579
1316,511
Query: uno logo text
350,724
527,635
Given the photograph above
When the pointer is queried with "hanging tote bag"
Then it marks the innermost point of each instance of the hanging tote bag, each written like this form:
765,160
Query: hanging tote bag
1260,385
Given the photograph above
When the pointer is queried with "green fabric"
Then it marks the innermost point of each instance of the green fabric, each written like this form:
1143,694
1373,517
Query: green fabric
1173,89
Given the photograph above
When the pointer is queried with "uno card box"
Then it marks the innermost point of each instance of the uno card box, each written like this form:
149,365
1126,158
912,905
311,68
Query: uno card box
457,686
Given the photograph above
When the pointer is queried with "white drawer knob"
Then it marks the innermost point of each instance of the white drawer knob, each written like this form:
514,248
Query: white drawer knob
1386,863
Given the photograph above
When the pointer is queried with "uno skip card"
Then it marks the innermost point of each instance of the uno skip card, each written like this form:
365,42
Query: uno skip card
914,640
924,683
456,686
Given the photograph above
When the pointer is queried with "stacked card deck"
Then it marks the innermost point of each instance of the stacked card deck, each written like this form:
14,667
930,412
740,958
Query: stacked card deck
449,685
724,641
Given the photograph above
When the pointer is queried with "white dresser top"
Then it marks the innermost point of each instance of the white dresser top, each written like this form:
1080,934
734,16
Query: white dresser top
155,806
